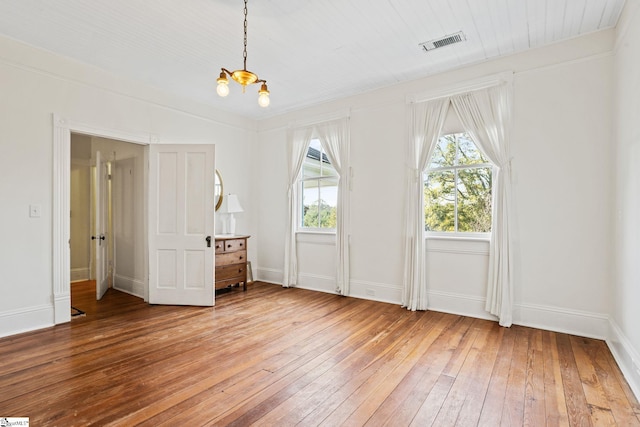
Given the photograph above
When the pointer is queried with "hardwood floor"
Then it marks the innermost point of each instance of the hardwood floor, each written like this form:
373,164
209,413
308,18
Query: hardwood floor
280,357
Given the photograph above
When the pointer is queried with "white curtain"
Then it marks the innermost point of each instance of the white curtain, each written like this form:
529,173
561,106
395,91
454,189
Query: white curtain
426,123
334,138
297,145
486,116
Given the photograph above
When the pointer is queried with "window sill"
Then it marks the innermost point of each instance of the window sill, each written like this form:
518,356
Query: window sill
459,237
320,232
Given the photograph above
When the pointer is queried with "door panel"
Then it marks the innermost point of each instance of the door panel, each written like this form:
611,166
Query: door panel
194,269
197,174
181,216
167,175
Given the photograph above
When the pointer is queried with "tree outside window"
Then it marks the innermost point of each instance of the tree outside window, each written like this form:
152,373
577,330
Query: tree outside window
457,187
319,183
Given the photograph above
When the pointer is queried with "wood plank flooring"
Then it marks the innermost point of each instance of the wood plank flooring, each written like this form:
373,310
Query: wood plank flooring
284,357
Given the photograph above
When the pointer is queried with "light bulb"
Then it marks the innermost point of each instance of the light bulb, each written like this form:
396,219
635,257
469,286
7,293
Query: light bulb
223,84
223,88
263,99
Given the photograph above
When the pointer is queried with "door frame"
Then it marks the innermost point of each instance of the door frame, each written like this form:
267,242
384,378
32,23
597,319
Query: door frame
61,258
101,202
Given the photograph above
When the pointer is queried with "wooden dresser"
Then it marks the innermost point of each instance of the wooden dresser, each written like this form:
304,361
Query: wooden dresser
231,261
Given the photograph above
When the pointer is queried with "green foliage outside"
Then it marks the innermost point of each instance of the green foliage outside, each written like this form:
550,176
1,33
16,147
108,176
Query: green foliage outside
454,158
320,215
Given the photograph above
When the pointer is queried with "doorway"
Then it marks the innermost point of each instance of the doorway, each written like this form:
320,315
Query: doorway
107,239
166,182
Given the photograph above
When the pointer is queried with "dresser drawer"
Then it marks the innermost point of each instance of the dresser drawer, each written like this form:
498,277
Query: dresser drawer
233,245
238,257
231,271
219,246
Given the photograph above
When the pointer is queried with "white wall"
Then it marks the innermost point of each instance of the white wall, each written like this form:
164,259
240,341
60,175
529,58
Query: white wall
562,176
34,85
625,315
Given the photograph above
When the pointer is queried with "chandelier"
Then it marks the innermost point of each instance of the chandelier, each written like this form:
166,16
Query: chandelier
244,77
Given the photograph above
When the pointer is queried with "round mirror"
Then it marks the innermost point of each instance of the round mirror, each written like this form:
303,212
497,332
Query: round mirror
217,198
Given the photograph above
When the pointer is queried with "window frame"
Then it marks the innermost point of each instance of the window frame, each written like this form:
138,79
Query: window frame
300,228
458,235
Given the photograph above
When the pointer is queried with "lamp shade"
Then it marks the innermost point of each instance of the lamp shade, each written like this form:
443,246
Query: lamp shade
231,204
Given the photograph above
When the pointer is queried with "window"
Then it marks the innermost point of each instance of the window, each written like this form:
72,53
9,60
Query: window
457,187
319,181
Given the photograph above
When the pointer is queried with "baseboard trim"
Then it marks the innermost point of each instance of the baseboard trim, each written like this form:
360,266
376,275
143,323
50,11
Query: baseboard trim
317,282
62,308
575,322
460,304
627,358
26,320
270,275
557,319
359,289
376,291
79,274
128,285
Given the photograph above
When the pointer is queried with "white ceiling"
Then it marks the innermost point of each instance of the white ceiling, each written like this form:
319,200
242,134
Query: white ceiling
309,51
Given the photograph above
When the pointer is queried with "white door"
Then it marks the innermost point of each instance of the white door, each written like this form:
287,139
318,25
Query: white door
181,220
100,234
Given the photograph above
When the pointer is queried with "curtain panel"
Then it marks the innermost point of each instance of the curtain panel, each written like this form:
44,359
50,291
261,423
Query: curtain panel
486,116
427,119
297,145
334,138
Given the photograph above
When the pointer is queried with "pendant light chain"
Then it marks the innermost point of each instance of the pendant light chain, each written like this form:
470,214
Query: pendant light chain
244,55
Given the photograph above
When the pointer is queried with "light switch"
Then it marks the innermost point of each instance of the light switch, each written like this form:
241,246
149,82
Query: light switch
35,211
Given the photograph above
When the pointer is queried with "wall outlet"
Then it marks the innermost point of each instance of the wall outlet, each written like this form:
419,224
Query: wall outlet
370,292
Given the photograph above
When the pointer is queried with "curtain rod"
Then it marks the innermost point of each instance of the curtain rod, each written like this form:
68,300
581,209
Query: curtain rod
462,87
336,115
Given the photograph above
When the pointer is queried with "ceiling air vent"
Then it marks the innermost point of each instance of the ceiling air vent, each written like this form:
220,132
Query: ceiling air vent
443,41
